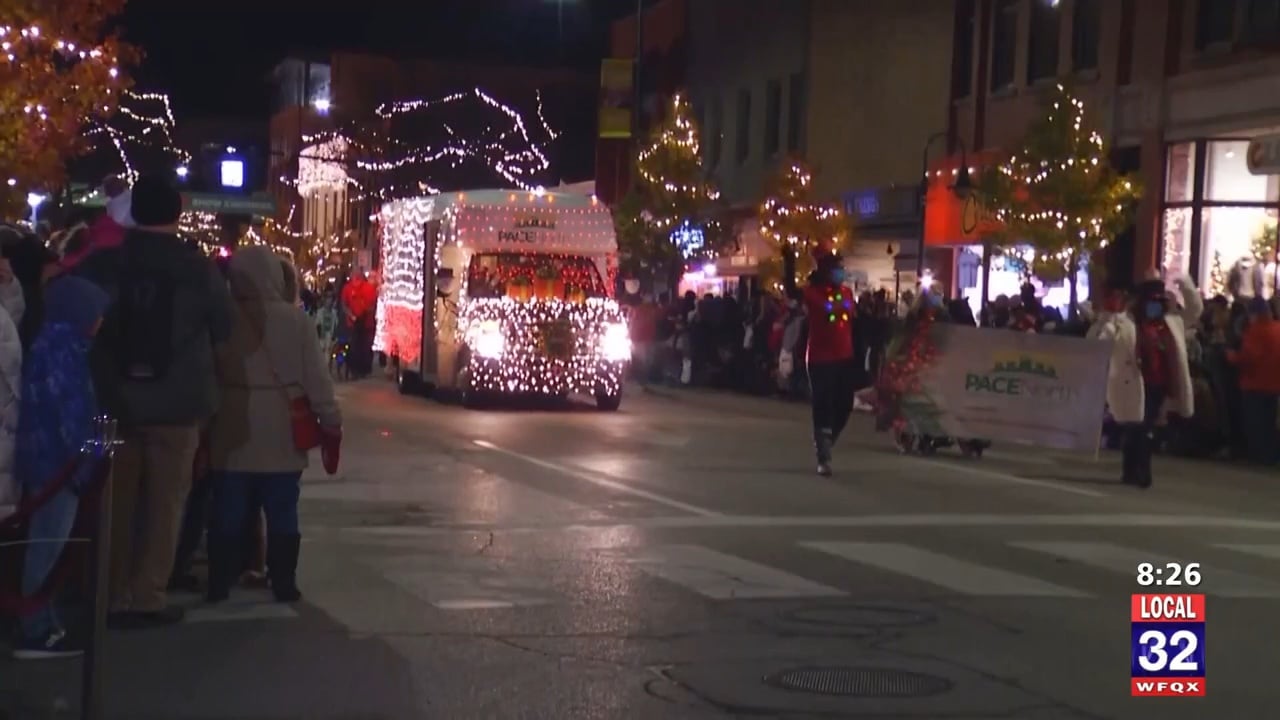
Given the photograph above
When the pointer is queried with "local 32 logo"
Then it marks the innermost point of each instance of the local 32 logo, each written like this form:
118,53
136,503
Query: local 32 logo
1167,658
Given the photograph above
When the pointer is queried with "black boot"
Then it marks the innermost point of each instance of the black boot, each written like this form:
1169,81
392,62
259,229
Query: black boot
822,445
224,567
282,566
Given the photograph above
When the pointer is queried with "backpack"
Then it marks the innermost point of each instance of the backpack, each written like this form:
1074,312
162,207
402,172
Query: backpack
144,312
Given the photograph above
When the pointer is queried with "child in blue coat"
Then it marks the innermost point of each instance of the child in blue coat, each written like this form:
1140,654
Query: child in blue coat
55,422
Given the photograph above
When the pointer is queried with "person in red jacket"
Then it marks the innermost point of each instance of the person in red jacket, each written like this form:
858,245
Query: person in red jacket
829,304
1257,361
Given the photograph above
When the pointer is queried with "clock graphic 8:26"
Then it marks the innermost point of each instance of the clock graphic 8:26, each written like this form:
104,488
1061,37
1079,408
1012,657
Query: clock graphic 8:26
1169,574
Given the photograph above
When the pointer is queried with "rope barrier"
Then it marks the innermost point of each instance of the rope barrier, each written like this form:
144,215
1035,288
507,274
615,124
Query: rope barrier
13,602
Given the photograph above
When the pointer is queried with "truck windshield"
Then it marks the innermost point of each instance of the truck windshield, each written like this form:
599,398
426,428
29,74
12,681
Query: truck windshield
564,277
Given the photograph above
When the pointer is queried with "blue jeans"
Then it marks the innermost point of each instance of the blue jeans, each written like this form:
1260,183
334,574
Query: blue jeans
47,534
235,493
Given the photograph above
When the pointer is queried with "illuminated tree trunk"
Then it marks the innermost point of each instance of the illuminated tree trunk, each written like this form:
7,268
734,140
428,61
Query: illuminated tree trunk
1073,273
788,268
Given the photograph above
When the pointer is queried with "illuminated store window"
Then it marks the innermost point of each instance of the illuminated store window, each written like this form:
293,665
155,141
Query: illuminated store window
1233,238
1227,176
1176,237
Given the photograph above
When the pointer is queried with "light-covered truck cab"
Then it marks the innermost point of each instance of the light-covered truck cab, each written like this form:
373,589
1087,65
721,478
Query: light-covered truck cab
494,292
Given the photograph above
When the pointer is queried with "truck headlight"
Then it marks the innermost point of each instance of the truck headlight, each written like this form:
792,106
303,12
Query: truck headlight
615,342
486,340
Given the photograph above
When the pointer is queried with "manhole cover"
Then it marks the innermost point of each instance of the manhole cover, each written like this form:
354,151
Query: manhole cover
859,682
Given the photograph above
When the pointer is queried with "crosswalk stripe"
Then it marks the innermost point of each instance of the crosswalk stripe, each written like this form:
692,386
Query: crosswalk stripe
948,572
1120,559
725,577
1270,552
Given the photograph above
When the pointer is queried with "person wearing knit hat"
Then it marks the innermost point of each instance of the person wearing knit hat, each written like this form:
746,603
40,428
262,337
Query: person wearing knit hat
155,372
1149,376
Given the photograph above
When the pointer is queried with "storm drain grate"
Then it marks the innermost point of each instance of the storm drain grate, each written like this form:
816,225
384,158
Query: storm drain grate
859,682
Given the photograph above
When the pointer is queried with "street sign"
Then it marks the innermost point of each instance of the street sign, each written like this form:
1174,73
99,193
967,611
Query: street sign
257,204
1264,155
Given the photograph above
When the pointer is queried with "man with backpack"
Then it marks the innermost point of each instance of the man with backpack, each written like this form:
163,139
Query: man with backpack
153,368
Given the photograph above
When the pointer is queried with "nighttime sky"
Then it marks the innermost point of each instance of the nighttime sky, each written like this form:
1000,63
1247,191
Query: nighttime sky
214,61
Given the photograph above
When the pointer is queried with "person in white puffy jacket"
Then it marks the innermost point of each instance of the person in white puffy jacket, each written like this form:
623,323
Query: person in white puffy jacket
13,305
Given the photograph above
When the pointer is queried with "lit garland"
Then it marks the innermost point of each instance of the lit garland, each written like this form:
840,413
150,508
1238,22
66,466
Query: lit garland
549,347
152,115
1059,192
322,168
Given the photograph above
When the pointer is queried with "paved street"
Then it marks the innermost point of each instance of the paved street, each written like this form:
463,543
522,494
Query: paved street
678,558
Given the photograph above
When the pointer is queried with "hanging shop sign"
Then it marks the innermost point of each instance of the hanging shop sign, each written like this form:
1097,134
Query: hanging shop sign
231,204
1263,157
617,98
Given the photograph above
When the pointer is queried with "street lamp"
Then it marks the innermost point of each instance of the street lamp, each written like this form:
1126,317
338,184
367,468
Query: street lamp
183,172
962,188
321,105
34,201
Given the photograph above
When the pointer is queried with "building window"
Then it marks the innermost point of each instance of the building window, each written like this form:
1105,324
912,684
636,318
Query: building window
1215,22
1262,21
1086,24
773,118
742,148
966,27
1004,45
795,113
1218,217
1042,43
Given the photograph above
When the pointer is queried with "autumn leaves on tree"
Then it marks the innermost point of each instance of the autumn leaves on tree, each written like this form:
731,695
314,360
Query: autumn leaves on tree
59,68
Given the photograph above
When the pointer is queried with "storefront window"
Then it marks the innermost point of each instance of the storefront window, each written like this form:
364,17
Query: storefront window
1182,173
1176,238
1227,176
1009,271
1230,236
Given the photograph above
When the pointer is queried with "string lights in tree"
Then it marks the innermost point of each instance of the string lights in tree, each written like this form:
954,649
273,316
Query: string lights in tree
57,73
1059,193
797,226
142,125
672,190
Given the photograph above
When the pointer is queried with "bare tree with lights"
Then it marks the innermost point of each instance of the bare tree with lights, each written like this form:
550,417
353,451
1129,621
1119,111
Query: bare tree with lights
795,224
671,189
1059,193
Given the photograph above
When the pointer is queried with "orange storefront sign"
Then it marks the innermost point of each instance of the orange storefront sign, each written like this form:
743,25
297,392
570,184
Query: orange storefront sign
951,220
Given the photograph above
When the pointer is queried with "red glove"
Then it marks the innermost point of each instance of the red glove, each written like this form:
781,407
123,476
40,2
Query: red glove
330,449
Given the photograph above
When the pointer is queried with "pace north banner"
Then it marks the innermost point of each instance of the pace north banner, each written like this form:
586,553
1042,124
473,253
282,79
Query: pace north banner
1009,386
617,97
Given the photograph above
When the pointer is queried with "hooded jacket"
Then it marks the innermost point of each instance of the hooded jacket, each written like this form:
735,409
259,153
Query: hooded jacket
12,306
270,358
58,401
200,318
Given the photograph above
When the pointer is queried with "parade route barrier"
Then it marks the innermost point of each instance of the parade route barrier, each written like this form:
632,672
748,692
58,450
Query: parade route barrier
1030,389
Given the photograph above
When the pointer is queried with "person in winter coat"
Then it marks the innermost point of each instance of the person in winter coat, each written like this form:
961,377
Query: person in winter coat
269,360
12,306
1149,377
1258,361
55,422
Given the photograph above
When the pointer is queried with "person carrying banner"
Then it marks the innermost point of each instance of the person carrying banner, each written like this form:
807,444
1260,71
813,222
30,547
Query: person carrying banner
829,305
1149,376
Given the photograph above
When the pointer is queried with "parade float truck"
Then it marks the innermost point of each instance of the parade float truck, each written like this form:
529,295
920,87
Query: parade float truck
494,293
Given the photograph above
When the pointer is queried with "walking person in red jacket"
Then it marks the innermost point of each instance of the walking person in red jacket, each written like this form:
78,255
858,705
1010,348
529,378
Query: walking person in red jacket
829,304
